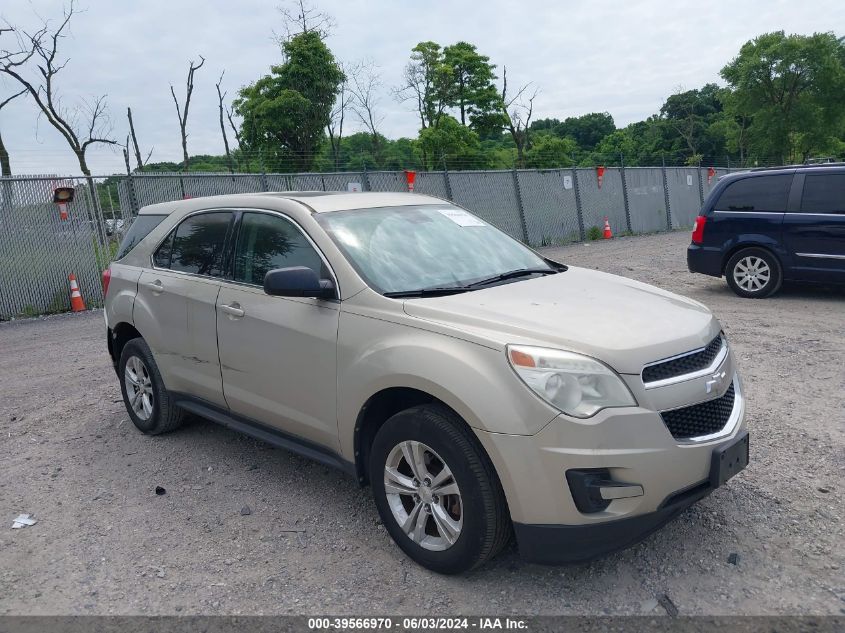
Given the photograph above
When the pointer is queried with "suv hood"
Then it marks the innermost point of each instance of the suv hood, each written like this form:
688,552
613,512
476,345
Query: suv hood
622,322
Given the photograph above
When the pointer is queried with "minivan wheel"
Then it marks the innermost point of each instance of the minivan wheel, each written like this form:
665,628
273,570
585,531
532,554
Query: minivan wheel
753,273
149,405
436,491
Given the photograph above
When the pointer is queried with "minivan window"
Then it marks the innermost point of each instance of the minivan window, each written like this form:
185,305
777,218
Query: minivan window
198,244
141,227
824,193
757,193
266,242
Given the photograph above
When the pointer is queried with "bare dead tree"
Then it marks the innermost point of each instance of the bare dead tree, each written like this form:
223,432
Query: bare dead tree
220,97
300,16
517,111
141,163
337,116
237,133
81,126
365,86
182,112
5,164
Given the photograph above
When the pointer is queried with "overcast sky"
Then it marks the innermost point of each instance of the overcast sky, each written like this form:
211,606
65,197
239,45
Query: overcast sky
621,57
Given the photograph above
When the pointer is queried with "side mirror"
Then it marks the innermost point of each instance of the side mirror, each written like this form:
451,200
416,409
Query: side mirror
298,281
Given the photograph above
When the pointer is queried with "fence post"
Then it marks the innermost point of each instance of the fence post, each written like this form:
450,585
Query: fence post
625,193
520,207
264,185
134,207
447,181
666,194
365,179
700,185
578,210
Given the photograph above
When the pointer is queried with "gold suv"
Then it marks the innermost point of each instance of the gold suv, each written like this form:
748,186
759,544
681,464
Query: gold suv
481,389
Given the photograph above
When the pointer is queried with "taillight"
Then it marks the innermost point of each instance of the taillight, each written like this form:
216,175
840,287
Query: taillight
698,229
106,280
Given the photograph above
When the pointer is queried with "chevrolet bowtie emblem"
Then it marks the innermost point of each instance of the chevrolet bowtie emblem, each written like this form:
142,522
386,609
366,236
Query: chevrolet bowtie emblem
715,381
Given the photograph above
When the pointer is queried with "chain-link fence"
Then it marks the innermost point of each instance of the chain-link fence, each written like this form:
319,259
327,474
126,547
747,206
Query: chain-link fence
39,249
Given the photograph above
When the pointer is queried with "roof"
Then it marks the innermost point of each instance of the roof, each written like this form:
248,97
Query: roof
315,201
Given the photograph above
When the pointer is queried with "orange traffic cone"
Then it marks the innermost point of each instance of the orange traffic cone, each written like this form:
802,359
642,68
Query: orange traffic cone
76,302
607,232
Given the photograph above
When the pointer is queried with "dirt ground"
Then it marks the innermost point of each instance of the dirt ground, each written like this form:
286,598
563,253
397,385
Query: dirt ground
105,543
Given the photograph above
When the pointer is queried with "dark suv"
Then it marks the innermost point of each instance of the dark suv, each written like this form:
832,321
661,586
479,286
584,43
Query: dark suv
762,227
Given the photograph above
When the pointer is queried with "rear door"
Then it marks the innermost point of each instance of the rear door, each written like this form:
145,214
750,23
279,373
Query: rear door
815,233
175,306
750,210
278,355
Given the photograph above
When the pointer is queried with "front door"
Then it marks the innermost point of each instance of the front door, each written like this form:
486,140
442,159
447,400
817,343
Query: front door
278,355
815,236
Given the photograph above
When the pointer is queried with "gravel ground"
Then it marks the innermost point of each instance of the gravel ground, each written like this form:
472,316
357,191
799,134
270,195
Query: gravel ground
105,543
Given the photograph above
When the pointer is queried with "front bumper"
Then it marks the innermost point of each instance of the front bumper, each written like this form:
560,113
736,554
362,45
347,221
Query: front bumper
560,544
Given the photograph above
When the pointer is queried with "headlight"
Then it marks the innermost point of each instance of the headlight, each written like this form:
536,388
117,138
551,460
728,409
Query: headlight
578,385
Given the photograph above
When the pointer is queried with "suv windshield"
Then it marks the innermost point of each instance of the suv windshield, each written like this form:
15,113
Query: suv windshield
429,247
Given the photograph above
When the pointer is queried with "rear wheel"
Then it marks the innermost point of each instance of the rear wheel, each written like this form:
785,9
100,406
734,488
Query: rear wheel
149,405
436,491
753,273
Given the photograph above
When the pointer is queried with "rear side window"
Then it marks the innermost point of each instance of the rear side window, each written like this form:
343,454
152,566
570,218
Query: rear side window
198,244
140,228
757,193
824,193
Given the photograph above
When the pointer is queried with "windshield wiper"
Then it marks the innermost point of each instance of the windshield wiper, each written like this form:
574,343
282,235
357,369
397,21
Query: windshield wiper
513,274
428,292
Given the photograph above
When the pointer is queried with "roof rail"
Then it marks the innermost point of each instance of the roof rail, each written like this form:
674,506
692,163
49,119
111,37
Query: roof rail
801,166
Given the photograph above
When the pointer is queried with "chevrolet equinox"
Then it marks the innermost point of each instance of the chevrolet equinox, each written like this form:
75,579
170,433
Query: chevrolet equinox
480,389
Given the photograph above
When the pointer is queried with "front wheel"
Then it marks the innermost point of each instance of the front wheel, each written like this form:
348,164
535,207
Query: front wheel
437,492
753,273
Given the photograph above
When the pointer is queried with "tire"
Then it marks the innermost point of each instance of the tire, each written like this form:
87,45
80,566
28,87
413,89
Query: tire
479,509
154,412
754,273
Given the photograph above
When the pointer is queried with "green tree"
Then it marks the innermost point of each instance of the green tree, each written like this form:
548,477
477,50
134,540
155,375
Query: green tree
472,90
285,113
790,89
451,142
691,114
548,151
426,83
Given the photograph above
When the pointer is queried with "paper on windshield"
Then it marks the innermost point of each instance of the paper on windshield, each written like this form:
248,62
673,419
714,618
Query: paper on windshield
461,217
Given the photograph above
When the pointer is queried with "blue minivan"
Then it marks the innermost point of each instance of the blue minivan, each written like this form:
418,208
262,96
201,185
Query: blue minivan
762,227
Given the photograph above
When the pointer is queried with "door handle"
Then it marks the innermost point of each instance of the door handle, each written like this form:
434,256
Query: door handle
156,287
233,310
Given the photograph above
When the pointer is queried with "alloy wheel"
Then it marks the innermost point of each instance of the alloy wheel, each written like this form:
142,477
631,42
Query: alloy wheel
423,495
752,273
139,387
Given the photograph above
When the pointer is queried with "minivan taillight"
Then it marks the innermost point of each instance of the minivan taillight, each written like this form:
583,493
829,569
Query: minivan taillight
698,229
106,280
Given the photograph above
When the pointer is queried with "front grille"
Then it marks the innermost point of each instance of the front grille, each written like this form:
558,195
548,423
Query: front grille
684,364
704,418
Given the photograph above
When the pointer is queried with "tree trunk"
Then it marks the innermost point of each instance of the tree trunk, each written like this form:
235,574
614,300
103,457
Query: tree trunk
184,151
5,166
134,140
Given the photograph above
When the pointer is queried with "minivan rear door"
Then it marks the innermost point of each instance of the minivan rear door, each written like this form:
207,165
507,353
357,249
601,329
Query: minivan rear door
815,233
750,210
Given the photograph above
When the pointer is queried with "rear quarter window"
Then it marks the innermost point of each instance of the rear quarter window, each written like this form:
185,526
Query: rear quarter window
140,228
824,193
756,193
